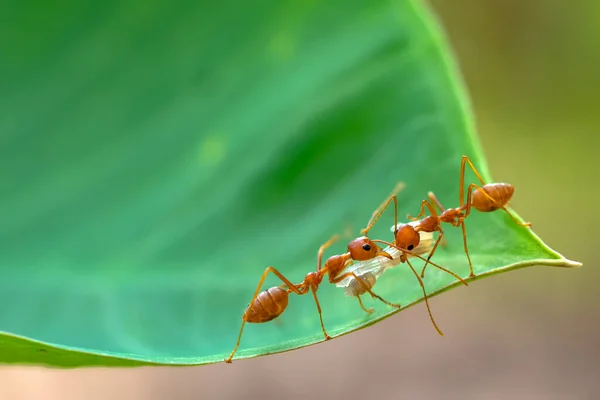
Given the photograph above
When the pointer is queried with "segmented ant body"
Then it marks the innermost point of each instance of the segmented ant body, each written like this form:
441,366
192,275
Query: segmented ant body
271,303
406,252
486,198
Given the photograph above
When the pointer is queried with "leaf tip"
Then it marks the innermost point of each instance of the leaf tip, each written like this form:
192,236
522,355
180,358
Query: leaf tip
571,264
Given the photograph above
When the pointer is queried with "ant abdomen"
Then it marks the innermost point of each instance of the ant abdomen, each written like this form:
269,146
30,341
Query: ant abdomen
499,195
355,288
269,304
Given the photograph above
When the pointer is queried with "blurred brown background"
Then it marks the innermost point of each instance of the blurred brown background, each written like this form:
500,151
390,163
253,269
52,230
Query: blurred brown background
532,72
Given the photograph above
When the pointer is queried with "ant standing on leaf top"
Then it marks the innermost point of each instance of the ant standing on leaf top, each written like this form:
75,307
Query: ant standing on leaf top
406,240
271,303
486,198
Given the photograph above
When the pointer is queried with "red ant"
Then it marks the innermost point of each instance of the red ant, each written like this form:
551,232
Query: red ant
271,303
405,249
486,198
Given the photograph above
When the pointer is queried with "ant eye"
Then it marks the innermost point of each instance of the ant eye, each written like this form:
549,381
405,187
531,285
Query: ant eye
410,247
362,249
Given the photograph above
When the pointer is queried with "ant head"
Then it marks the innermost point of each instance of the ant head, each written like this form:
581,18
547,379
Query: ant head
407,237
362,249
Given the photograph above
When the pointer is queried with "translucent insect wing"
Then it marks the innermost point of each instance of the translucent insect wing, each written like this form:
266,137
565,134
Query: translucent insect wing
378,265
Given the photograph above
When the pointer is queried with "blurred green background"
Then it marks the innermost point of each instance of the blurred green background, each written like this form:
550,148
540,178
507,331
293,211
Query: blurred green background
531,70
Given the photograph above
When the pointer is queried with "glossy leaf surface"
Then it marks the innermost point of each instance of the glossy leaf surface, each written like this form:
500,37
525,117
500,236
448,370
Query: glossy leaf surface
155,157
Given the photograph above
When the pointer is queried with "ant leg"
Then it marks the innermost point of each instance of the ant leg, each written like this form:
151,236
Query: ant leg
290,286
430,207
365,286
237,344
434,214
433,198
437,242
322,249
375,217
383,206
314,292
425,298
469,198
438,267
435,201
421,214
527,224
465,160
464,232
369,311
405,251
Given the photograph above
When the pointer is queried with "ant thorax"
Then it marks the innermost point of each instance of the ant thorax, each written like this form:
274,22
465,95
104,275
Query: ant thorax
314,279
452,216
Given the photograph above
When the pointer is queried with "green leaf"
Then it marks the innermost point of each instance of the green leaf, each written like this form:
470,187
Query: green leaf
156,156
